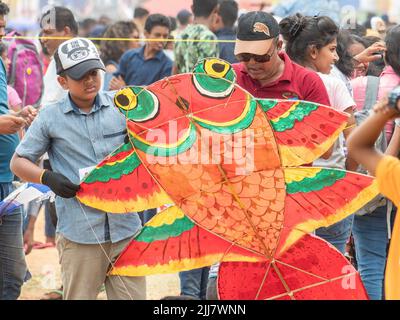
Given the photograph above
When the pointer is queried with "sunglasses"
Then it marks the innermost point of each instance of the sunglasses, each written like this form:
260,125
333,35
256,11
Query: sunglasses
246,57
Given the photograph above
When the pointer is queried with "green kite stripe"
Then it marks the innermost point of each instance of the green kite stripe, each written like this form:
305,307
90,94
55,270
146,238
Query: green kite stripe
238,127
325,178
114,172
150,234
302,110
267,105
167,152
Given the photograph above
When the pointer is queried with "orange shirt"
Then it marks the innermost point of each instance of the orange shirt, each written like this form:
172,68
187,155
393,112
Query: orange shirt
388,178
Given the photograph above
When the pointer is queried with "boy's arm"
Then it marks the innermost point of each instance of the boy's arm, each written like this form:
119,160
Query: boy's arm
29,171
361,143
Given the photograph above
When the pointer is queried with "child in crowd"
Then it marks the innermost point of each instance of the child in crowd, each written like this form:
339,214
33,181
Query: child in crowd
387,171
78,132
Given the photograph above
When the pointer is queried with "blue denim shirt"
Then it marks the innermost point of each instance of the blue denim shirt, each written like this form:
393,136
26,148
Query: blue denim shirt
227,49
74,141
8,142
136,71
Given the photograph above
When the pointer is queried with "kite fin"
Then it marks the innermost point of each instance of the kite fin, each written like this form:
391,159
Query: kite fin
304,131
170,243
121,184
311,269
319,197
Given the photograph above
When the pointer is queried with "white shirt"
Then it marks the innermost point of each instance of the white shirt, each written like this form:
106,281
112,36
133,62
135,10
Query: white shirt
340,100
53,92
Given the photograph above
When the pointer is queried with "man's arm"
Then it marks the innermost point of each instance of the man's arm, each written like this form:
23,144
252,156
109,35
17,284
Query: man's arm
361,143
11,124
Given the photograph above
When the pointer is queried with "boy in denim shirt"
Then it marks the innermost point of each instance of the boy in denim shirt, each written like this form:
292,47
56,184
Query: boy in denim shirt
78,132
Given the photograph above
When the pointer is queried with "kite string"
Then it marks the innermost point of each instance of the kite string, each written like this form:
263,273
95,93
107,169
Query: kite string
104,251
121,39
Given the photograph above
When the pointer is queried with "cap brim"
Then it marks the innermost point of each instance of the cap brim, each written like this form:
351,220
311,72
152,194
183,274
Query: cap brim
80,70
259,47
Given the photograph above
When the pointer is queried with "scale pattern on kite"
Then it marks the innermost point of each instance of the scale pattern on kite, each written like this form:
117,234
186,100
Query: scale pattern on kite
229,164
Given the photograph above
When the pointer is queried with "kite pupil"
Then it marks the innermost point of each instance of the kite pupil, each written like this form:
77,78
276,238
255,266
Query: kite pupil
123,100
218,67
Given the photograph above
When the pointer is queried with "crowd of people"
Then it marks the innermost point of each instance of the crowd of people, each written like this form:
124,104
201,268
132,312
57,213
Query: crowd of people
284,55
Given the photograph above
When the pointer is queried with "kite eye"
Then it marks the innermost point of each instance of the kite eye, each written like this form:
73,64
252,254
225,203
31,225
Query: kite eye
126,99
216,68
214,78
137,104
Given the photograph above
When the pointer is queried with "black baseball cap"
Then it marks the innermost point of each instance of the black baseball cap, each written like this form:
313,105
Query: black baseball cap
256,33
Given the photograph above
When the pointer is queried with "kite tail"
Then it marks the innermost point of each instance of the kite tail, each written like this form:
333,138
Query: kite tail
311,269
171,243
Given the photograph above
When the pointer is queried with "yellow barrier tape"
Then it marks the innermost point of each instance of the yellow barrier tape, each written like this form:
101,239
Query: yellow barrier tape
121,39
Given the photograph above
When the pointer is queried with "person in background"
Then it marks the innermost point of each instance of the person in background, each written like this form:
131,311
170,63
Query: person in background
146,65
228,12
140,16
184,17
13,268
378,28
65,27
372,230
268,72
312,43
86,27
386,168
188,53
112,51
14,101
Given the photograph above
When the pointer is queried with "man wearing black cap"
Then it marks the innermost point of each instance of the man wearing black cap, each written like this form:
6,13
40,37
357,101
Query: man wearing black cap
266,71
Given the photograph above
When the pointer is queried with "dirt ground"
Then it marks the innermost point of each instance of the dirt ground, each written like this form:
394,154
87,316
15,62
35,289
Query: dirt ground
45,270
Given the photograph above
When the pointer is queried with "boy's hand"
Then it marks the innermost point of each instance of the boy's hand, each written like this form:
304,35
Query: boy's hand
59,184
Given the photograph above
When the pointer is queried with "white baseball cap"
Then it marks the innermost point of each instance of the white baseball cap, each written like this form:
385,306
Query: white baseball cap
77,57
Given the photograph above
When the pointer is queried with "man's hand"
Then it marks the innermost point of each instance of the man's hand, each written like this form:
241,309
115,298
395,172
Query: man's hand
11,124
117,83
59,184
29,114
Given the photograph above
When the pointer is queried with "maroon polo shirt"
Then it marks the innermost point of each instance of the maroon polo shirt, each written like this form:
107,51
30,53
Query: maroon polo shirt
296,83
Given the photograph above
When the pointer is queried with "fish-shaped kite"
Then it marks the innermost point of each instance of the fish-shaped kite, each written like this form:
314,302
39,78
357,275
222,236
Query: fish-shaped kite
235,170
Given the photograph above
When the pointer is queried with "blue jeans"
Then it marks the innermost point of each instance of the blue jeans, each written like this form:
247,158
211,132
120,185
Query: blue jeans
147,215
337,234
194,283
370,234
12,258
34,208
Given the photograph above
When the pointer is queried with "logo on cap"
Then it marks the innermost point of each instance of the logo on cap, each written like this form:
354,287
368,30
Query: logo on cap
261,27
76,50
